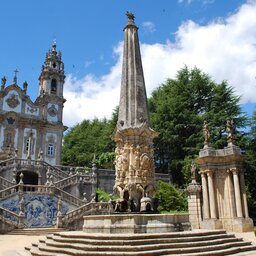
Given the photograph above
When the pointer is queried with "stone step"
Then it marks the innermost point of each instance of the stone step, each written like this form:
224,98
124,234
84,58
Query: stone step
59,238
131,236
203,243
35,231
144,247
198,252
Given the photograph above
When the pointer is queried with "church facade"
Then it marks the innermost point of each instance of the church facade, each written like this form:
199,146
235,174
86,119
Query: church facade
34,130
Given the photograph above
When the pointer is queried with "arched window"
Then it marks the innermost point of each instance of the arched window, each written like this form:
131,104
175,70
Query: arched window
54,86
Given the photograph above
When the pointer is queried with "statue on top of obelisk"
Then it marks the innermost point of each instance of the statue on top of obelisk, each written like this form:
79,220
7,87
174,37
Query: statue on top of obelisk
134,163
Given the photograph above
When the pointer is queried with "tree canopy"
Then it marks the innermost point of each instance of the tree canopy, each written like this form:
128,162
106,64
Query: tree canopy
179,107
90,139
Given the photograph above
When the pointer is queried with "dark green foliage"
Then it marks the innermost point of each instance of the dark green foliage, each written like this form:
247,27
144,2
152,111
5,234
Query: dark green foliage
178,109
87,139
250,167
102,195
170,198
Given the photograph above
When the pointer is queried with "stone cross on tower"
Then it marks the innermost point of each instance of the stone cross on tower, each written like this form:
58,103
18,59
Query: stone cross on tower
135,182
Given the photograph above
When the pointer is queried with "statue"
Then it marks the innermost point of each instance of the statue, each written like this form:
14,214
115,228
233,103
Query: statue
229,129
206,134
193,172
130,16
3,83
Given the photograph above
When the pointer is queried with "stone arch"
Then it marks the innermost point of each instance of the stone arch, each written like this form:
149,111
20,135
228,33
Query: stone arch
29,178
54,86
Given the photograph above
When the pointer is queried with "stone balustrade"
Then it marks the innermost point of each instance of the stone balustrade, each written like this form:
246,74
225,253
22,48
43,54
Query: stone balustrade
10,217
4,183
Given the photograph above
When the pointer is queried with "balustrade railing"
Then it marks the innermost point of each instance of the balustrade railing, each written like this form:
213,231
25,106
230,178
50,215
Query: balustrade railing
86,209
4,183
67,197
10,217
8,192
66,181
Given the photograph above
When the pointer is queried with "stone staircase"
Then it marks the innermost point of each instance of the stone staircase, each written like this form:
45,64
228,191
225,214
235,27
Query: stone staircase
189,243
36,231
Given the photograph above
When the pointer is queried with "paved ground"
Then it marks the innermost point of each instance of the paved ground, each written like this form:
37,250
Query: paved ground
13,245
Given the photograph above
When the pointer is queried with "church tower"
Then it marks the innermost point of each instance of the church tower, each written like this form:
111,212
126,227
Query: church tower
34,128
52,75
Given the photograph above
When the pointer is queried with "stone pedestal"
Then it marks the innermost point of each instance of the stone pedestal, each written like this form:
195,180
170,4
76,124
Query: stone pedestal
243,225
211,224
136,223
194,205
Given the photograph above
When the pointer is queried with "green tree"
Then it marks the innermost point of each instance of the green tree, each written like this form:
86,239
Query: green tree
170,198
179,107
250,167
87,139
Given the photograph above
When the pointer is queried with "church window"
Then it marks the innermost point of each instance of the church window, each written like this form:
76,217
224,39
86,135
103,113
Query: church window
50,150
54,86
54,65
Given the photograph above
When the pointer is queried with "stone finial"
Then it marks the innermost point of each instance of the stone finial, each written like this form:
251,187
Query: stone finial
25,86
230,130
16,153
21,178
3,83
206,134
130,16
15,76
84,197
54,45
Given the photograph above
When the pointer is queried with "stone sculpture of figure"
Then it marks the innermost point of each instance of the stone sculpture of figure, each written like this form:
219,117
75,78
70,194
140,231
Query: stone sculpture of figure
3,82
229,129
193,172
146,164
118,162
124,161
206,134
130,16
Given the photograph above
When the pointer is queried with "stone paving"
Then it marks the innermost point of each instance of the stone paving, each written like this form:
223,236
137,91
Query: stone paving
13,245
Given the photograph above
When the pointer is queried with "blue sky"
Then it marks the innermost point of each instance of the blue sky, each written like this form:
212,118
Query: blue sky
217,36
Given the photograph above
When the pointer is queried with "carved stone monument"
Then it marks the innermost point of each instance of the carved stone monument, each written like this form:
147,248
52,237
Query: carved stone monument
224,202
134,163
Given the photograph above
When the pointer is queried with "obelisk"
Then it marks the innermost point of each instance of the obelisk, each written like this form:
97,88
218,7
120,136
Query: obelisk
134,163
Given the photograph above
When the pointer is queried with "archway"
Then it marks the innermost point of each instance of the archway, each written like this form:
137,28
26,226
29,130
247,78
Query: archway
29,178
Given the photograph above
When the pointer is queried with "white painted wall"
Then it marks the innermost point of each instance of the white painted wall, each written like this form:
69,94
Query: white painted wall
29,110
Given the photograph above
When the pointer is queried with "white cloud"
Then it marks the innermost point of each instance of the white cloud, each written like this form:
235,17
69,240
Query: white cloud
149,26
225,49
185,1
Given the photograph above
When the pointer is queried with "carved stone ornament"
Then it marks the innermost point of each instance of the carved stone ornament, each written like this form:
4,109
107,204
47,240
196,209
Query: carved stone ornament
12,101
52,111
31,110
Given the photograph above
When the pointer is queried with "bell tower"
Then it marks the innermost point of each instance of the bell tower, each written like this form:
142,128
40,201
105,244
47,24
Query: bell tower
52,74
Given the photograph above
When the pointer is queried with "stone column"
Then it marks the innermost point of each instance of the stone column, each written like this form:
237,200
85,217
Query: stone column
205,196
194,205
245,206
211,194
239,212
